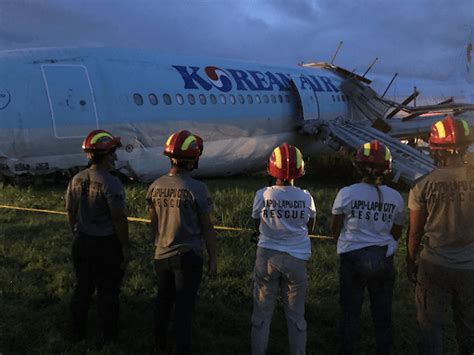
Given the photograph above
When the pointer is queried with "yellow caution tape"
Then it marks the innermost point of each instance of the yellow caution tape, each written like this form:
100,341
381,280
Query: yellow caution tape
33,210
143,220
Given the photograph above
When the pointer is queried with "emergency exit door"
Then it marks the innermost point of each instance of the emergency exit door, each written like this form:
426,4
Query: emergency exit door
309,105
71,100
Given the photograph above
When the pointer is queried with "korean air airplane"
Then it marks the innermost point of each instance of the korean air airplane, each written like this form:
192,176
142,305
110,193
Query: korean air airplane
50,98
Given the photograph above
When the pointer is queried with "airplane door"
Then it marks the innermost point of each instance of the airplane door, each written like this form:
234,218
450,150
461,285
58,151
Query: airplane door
309,105
71,100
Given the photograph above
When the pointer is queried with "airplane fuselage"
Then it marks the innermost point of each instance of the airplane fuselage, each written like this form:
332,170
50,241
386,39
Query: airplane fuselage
51,98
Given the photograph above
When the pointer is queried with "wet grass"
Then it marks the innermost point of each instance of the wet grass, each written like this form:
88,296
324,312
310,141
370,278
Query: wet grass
36,280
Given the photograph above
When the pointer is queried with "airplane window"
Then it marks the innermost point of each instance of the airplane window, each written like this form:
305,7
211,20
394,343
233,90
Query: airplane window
257,99
280,98
167,99
179,99
223,100
232,99
287,98
213,99
138,99
250,99
273,98
191,99
153,99
265,99
202,98
241,99
338,98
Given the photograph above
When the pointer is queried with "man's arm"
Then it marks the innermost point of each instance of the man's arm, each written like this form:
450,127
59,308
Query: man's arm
71,215
256,225
71,218
396,231
415,233
310,225
153,223
120,222
209,236
256,233
336,225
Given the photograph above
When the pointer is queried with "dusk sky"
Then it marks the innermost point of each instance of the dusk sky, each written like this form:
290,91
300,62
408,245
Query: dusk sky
425,38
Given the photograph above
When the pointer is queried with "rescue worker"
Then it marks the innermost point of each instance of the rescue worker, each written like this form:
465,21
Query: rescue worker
441,214
283,214
180,212
367,221
95,204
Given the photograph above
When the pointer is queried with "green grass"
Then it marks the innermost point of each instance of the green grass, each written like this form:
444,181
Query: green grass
36,280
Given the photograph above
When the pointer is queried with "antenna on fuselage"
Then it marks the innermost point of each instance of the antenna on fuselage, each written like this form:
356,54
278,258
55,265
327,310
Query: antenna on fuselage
390,84
337,51
370,66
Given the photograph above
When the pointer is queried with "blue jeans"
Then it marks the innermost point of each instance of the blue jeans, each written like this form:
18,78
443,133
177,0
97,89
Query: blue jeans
367,267
178,278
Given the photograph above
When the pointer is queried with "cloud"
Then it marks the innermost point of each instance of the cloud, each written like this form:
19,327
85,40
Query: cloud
424,38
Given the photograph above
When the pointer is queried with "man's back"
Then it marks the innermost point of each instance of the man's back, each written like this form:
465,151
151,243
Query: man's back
446,195
91,196
178,200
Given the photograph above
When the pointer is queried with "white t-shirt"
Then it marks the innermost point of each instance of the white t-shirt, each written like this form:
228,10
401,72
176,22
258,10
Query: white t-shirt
367,221
284,212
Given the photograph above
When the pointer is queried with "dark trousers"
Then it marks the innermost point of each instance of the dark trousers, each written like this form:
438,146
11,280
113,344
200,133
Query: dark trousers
97,267
437,288
366,268
178,279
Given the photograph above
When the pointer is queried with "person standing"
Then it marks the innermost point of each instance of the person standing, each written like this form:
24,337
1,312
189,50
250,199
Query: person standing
367,221
283,214
441,213
180,211
95,204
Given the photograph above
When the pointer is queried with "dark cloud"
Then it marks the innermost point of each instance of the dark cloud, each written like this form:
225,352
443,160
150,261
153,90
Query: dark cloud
423,38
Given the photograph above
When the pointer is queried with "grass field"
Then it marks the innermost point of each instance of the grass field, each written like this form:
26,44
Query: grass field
36,280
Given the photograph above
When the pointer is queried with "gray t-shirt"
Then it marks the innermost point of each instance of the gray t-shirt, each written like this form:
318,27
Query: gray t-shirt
178,200
446,195
93,196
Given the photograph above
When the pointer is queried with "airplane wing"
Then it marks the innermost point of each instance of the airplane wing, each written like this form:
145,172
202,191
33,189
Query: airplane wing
419,127
408,162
